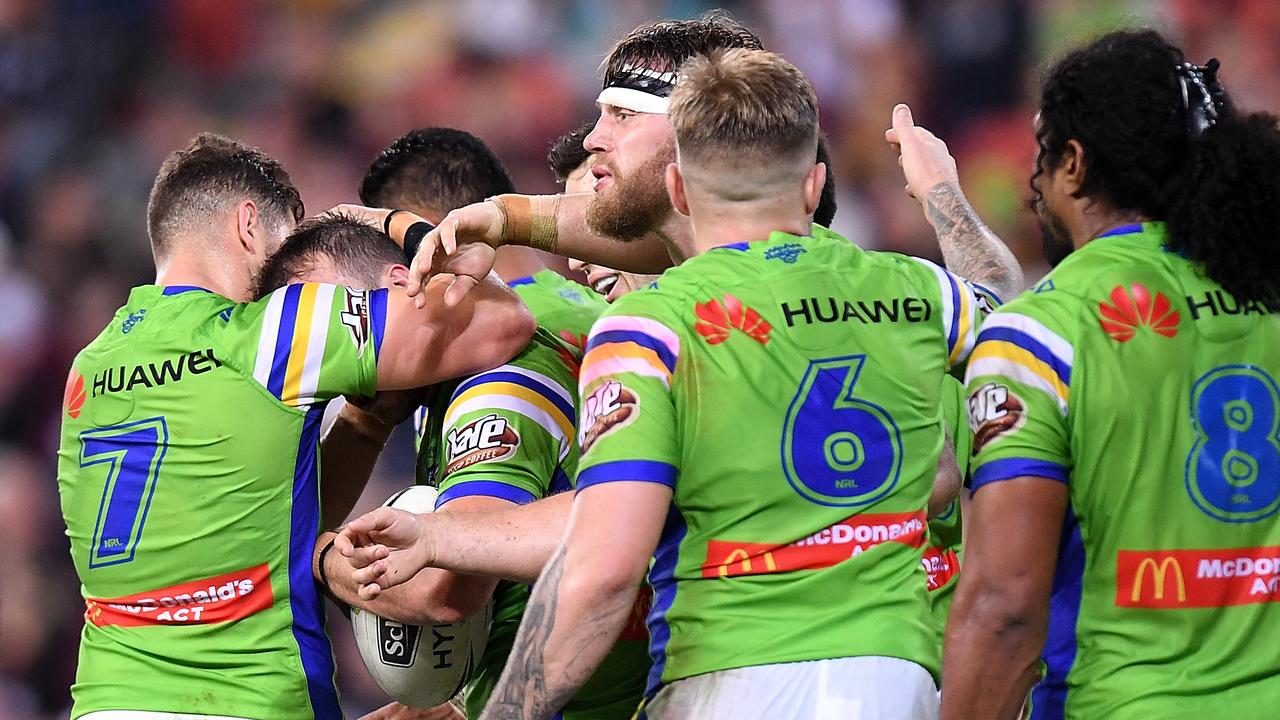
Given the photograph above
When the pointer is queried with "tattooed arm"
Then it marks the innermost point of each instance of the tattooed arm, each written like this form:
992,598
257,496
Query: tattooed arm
582,599
969,247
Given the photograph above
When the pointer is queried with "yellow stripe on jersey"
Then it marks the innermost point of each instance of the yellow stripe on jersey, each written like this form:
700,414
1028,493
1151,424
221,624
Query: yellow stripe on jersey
499,390
965,324
301,336
618,357
1002,351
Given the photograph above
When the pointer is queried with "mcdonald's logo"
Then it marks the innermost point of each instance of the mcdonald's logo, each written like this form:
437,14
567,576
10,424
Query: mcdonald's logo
1159,573
741,555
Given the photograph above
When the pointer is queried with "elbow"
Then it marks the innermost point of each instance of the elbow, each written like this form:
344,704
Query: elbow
1013,616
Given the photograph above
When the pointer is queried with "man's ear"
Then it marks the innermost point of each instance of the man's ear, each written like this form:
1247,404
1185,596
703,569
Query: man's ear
1071,168
396,275
248,226
814,181
675,189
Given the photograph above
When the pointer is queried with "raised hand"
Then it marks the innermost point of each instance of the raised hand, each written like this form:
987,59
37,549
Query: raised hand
924,158
480,223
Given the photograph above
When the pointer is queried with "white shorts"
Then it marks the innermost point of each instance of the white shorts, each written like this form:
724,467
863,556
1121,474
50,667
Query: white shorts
146,715
856,688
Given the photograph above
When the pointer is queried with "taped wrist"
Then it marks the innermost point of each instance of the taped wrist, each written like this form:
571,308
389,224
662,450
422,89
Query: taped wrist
529,220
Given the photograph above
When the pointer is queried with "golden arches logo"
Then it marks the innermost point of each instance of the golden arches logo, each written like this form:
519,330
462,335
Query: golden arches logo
1159,573
742,556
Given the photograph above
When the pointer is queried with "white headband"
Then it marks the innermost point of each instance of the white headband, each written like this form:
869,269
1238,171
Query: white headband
639,89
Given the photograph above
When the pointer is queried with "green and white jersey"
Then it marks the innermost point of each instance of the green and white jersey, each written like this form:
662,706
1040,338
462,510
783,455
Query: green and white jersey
1152,393
188,479
562,306
509,433
787,391
944,552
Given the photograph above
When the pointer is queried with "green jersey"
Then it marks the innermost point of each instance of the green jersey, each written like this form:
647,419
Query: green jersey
188,479
562,306
787,391
509,433
943,554
1150,392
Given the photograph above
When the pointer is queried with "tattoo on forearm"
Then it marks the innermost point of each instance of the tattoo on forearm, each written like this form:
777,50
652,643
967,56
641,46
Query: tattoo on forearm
969,247
525,690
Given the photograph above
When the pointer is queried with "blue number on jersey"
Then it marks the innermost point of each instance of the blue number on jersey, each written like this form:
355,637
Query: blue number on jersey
836,449
132,453
1233,469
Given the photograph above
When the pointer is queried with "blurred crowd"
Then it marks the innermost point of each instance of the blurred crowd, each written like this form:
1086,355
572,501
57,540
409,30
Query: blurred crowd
94,94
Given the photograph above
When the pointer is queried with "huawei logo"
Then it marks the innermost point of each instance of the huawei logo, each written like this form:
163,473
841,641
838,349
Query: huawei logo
73,395
718,318
1134,307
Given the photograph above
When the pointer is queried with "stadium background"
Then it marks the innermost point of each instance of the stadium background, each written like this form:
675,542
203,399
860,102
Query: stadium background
94,94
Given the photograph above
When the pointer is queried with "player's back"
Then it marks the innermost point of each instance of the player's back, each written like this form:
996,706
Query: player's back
187,474
1164,605
804,378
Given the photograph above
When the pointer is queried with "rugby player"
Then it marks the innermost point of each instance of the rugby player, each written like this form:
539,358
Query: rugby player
429,171
754,541
1126,412
191,537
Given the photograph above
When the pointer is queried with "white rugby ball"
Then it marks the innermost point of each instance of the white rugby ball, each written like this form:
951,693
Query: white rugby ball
421,666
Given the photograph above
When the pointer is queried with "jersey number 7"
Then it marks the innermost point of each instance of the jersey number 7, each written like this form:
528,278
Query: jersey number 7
132,454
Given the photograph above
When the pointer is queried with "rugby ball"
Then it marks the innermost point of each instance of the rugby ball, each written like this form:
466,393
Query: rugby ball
421,666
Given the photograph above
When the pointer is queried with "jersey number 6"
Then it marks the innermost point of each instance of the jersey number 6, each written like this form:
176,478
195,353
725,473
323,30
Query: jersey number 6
836,449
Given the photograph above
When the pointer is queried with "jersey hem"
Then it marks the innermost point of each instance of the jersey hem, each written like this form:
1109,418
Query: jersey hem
651,471
1010,468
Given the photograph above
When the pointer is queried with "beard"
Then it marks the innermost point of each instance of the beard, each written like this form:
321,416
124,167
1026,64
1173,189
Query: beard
1055,239
636,203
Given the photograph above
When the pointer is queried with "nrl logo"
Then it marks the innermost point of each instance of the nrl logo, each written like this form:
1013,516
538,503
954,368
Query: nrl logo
483,440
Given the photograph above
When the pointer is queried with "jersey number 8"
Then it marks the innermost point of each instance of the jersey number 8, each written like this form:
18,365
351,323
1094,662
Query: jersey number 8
1233,469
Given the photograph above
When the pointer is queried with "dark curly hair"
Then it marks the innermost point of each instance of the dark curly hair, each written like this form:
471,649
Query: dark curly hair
434,170
665,45
1121,98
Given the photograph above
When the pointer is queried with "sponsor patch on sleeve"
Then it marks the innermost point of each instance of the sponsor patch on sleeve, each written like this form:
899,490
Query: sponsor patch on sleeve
609,407
487,439
994,410
356,316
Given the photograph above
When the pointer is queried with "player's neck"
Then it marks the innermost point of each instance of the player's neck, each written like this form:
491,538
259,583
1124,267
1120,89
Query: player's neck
715,226
1097,218
187,269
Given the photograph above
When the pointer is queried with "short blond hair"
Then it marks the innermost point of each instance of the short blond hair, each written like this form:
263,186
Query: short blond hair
739,107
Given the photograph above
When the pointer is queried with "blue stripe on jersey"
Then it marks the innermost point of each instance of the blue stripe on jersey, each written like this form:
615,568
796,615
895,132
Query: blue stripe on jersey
1049,697
644,340
987,291
304,601
1010,468
628,471
1031,345
284,340
179,289
537,386
559,482
662,578
485,488
953,334
734,246
526,280
1123,230
377,318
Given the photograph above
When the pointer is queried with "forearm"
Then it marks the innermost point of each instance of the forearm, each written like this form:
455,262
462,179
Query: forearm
512,544
946,480
571,622
430,597
575,240
348,453
969,248
990,654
